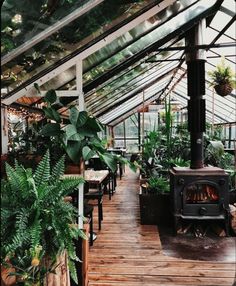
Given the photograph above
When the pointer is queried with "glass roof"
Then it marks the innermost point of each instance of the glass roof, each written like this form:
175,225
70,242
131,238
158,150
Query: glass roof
123,54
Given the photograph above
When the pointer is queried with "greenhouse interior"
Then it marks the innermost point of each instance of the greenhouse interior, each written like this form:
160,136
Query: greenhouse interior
118,142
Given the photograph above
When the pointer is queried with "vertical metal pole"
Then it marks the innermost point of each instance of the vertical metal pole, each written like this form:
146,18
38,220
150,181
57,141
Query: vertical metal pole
79,84
4,130
195,60
139,132
79,87
213,112
143,121
124,133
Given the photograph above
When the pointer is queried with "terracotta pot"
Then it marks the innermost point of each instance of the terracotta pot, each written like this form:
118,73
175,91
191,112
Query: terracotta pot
5,279
223,89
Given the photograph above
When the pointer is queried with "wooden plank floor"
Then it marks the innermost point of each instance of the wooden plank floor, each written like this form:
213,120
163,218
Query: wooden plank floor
129,254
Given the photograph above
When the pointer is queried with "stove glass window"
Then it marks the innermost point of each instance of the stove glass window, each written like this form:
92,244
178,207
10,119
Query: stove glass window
200,193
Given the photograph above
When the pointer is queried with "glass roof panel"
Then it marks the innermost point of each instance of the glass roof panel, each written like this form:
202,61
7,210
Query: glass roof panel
22,20
155,35
134,102
77,34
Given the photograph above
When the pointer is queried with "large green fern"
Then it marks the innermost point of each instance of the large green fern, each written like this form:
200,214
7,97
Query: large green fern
35,216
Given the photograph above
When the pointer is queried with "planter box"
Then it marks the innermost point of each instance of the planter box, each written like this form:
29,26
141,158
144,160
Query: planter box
155,209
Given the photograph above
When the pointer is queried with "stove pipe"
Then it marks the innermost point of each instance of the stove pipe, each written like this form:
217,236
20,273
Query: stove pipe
195,60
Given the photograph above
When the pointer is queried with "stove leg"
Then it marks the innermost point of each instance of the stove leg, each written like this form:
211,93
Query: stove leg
176,221
227,222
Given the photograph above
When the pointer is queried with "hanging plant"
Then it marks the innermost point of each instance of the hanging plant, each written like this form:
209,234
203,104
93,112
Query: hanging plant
222,79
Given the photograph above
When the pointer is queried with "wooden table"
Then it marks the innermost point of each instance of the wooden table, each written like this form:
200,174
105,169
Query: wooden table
95,177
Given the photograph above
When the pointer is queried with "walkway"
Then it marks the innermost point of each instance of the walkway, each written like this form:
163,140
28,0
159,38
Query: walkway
129,254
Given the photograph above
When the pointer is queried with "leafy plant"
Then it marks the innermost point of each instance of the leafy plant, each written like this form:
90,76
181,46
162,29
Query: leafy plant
157,185
222,75
37,223
80,137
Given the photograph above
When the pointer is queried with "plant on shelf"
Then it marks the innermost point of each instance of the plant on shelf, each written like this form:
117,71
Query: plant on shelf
222,79
37,224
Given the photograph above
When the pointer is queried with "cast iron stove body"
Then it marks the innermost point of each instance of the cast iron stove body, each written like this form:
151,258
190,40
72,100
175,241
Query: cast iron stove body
200,194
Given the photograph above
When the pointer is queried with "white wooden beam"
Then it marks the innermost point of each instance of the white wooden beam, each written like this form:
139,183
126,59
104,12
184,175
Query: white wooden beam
79,84
60,93
97,46
4,130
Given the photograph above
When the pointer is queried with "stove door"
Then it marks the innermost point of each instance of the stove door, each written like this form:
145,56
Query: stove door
201,198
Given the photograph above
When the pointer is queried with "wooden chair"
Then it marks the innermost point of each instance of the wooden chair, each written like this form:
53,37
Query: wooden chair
95,194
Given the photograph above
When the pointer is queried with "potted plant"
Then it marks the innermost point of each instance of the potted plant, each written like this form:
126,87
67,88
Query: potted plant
154,201
222,79
79,137
37,224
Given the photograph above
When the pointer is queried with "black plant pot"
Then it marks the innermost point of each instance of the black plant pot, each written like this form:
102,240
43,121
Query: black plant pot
155,209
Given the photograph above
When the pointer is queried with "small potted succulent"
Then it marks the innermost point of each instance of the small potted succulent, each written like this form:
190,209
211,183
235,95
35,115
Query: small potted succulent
222,79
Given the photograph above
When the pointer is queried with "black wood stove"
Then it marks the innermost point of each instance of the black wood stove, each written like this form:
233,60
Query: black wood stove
198,192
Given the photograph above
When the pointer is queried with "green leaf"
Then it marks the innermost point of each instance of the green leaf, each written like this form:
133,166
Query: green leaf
50,96
56,115
74,114
94,125
51,129
51,113
82,119
73,150
37,87
87,153
110,161
42,173
70,130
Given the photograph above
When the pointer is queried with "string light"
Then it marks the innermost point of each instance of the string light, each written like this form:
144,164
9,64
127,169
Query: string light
25,114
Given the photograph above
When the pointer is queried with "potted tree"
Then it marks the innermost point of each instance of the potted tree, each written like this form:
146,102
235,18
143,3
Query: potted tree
37,224
154,201
222,79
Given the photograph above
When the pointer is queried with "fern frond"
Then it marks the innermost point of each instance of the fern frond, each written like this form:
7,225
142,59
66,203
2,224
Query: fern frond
35,233
58,170
42,173
73,272
22,220
12,177
69,184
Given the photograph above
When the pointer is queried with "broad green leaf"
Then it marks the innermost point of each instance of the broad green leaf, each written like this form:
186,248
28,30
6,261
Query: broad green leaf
94,125
52,114
87,153
70,130
73,150
56,116
51,129
110,161
50,96
82,119
74,113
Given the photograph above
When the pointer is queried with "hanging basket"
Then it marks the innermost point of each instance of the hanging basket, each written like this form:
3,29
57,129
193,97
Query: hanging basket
223,89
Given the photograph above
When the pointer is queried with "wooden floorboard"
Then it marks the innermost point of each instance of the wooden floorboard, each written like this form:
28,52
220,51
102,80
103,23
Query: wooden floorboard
127,253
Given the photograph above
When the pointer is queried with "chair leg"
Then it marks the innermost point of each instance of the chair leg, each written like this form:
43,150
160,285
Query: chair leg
91,229
100,214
